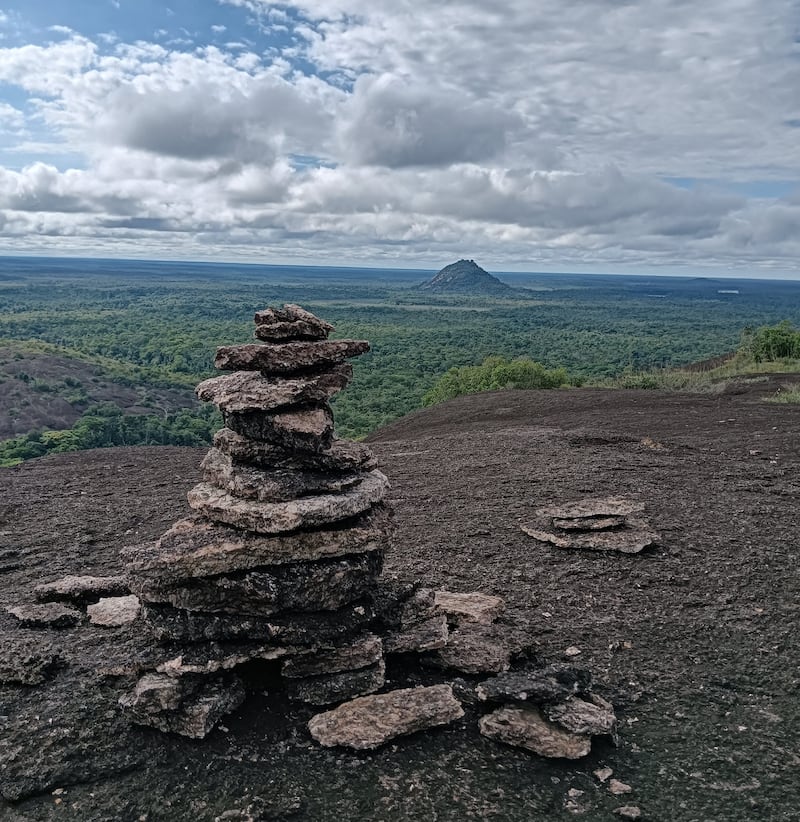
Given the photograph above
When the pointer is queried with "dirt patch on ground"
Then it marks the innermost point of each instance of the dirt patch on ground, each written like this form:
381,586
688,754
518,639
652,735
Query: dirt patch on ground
693,640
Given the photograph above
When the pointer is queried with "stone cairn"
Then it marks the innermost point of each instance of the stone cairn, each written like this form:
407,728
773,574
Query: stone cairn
280,566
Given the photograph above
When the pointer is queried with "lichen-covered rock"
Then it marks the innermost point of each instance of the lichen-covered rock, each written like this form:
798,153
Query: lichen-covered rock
244,391
279,517
525,727
287,358
370,721
325,585
81,590
469,607
552,683
112,612
593,716
307,428
198,547
335,687
360,653
45,615
251,482
290,323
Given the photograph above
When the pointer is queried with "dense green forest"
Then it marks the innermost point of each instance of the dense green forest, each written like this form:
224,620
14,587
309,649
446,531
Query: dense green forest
156,327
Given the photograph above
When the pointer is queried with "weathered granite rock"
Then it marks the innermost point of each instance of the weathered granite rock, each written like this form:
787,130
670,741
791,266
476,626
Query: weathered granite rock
552,683
469,607
588,523
370,721
279,517
410,617
587,508
310,629
244,391
329,688
81,590
251,482
361,652
288,323
594,716
197,710
307,428
287,358
26,662
341,456
425,635
212,657
475,649
46,615
111,612
524,727
325,585
626,542
197,547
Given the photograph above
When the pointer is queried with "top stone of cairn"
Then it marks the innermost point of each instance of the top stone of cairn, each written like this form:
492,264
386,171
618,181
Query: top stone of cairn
290,323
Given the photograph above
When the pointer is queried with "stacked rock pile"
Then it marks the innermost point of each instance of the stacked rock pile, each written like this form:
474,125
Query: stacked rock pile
282,558
609,524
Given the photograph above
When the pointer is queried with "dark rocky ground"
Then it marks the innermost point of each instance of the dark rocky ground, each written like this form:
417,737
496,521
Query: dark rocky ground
695,640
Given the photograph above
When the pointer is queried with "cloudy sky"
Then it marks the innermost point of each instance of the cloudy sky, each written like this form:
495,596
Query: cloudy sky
651,135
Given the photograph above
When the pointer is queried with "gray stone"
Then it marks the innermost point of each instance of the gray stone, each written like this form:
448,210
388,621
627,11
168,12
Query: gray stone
360,653
618,788
370,721
196,709
279,517
244,391
524,727
594,716
475,649
46,615
81,590
628,812
588,523
470,607
414,637
287,358
214,657
290,322
412,622
310,629
626,542
305,586
251,482
307,428
553,683
197,547
341,456
112,612
587,508
26,662
329,688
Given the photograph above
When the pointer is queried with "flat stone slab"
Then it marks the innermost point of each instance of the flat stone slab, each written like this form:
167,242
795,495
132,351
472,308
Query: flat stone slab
600,507
412,621
469,607
371,721
588,523
552,683
475,649
198,547
593,716
45,615
214,657
625,542
287,358
279,517
329,688
360,653
525,727
325,585
244,391
112,612
248,481
302,429
341,456
81,590
289,323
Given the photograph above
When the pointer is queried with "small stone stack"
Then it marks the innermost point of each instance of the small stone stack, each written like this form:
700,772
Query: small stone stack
284,552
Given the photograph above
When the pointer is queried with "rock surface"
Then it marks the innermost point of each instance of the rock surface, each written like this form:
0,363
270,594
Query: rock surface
475,649
299,429
290,322
361,653
46,615
81,590
26,661
111,612
369,722
593,717
287,358
470,607
525,727
552,683
336,687
626,542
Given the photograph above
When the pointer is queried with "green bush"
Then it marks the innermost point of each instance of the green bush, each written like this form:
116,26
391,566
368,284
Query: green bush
773,342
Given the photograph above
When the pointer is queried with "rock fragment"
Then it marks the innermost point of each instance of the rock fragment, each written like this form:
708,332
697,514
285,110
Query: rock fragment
469,607
327,688
112,612
81,590
525,727
593,716
628,812
618,788
46,615
475,649
551,683
368,722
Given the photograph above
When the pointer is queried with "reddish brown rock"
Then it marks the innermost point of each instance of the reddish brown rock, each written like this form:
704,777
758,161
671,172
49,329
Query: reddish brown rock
287,358
370,721
524,727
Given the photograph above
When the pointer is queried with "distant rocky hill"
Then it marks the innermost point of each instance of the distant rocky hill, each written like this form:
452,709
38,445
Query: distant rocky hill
466,277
